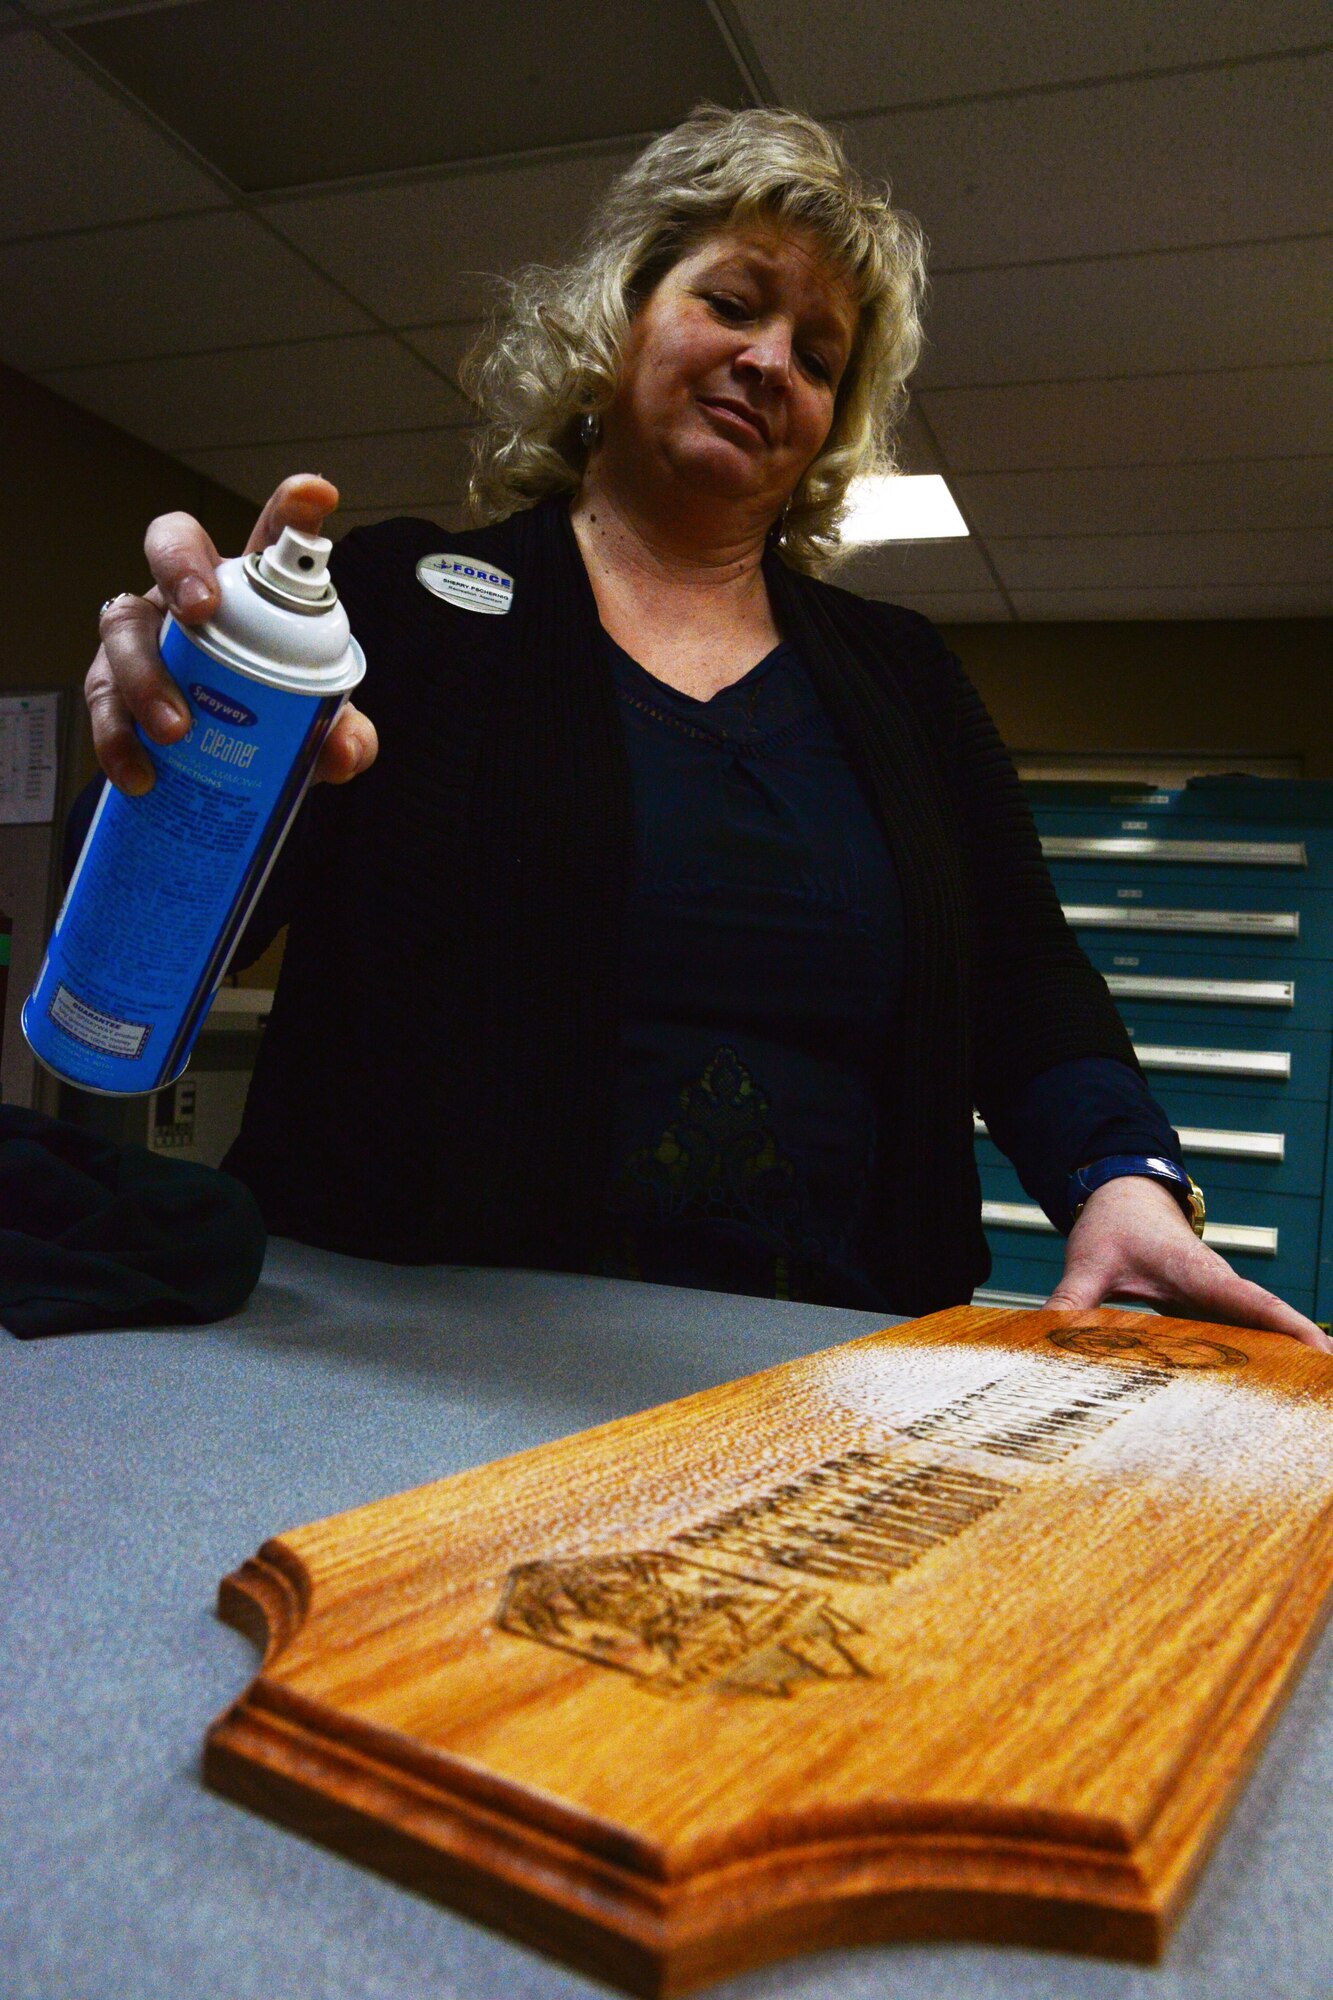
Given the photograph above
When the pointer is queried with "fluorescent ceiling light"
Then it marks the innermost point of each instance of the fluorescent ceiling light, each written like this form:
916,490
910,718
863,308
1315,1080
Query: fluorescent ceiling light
901,507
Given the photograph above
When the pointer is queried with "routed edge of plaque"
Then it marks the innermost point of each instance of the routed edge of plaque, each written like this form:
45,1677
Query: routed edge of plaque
569,1886
488,1850
587,1893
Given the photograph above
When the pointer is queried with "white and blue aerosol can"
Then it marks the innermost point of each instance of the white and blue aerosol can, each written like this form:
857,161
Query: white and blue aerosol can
166,882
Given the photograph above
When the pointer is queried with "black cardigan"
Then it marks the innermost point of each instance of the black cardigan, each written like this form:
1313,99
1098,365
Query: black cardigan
437,1077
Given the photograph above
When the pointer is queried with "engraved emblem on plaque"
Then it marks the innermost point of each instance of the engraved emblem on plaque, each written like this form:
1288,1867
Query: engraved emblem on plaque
679,1627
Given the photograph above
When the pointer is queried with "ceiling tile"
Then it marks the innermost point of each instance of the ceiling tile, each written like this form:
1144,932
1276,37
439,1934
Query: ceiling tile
950,607
53,120
1224,156
916,447
1256,600
444,346
1254,413
1225,561
160,288
74,10
1259,305
274,107
858,55
405,471
429,251
1150,499
889,568
304,389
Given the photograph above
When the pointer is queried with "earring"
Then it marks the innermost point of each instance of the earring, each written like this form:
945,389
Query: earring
590,430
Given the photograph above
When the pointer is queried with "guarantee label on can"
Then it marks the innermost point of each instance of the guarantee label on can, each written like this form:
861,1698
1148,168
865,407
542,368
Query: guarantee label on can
472,585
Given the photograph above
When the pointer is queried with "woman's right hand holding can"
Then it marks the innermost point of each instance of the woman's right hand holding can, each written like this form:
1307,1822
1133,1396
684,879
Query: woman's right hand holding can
127,682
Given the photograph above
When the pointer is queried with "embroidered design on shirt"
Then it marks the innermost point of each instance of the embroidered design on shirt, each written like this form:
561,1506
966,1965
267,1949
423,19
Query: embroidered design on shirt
721,1161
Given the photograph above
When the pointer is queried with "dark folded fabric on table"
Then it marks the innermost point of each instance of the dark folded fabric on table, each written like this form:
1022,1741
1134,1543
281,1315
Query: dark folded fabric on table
94,1235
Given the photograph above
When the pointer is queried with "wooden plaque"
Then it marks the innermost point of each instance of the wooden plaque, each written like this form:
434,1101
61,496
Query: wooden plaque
967,1629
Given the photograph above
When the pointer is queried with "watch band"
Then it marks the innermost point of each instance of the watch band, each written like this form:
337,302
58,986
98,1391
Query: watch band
1150,1166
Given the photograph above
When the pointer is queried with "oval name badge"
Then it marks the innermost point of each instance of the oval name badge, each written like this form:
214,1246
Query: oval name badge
473,585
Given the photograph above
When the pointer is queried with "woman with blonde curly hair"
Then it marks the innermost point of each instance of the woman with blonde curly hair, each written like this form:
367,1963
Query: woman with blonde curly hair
552,362
687,904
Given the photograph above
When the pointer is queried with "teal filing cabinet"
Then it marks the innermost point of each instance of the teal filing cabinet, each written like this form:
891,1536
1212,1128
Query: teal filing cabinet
1209,910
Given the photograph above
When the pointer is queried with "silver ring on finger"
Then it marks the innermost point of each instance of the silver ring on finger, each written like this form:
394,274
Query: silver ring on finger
109,601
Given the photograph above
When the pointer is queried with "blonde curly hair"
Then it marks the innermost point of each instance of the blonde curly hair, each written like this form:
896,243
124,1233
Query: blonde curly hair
552,353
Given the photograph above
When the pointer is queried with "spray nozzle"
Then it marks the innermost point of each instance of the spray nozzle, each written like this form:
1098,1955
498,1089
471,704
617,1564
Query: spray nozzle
297,565
295,571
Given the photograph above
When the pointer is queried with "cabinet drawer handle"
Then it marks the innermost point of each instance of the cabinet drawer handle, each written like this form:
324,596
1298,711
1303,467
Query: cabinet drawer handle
1254,1239
1218,992
1232,1145
1215,1062
1205,923
1239,853
1203,1139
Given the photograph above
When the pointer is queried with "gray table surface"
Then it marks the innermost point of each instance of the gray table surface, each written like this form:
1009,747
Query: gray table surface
138,1468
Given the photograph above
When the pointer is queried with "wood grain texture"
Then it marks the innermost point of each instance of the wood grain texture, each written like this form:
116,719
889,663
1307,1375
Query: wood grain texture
967,1629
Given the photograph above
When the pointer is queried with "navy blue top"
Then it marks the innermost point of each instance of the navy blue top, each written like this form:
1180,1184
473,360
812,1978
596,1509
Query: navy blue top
763,969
